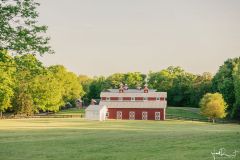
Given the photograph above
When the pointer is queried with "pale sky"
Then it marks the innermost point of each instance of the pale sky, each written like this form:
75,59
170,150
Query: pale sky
101,37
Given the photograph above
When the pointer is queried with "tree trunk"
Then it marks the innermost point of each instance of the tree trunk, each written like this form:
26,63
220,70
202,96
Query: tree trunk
1,115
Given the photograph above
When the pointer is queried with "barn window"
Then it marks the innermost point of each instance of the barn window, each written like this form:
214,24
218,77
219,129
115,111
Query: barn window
108,99
119,114
158,98
131,115
144,115
132,98
157,116
145,98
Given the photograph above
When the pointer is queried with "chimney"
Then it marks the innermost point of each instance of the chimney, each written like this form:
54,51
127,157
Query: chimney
125,87
145,88
139,87
121,88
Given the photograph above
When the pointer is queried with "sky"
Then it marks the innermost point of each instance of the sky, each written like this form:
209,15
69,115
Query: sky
101,37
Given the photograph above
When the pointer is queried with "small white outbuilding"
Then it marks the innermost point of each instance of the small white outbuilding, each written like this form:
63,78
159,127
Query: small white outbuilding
96,112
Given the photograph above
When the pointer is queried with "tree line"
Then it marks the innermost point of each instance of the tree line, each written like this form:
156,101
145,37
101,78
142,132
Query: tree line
28,87
183,88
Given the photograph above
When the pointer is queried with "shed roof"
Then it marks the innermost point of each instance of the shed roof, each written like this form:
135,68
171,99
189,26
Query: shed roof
95,107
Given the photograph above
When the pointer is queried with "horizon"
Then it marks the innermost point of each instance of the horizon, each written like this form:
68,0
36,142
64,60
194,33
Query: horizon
146,73
101,38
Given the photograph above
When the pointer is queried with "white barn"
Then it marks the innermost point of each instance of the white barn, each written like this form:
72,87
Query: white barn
96,112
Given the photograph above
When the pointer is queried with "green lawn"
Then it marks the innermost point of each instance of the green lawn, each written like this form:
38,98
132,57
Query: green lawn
185,112
77,139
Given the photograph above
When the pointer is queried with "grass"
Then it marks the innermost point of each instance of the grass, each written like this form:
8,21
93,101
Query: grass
185,112
78,139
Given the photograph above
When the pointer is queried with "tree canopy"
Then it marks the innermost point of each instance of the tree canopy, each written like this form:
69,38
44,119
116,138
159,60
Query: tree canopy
29,87
226,82
6,81
183,88
213,106
20,31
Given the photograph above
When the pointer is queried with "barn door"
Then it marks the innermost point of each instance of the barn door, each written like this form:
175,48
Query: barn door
157,116
119,115
144,115
132,115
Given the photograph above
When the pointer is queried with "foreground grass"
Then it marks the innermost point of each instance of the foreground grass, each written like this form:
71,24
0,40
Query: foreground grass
77,139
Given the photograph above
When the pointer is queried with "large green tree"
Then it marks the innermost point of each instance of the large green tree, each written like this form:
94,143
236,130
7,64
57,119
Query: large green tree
23,102
176,82
135,79
46,92
236,106
85,81
97,86
72,89
163,80
7,69
132,79
201,85
225,82
115,80
35,86
20,31
213,106
181,91
27,69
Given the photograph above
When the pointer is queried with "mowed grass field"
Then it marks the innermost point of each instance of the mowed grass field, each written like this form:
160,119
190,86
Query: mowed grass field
185,112
78,139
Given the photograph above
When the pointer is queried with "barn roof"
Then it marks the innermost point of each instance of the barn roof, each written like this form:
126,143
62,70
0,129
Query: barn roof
128,90
132,93
135,104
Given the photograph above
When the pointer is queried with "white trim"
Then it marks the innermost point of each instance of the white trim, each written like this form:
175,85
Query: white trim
149,94
145,98
120,99
164,114
135,104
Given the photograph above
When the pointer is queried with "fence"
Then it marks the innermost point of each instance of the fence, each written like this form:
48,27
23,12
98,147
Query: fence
45,116
174,117
82,115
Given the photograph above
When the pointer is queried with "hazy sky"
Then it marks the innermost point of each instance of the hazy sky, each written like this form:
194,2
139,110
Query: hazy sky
100,37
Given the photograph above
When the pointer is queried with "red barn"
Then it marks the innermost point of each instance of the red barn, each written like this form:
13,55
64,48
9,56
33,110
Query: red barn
134,104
